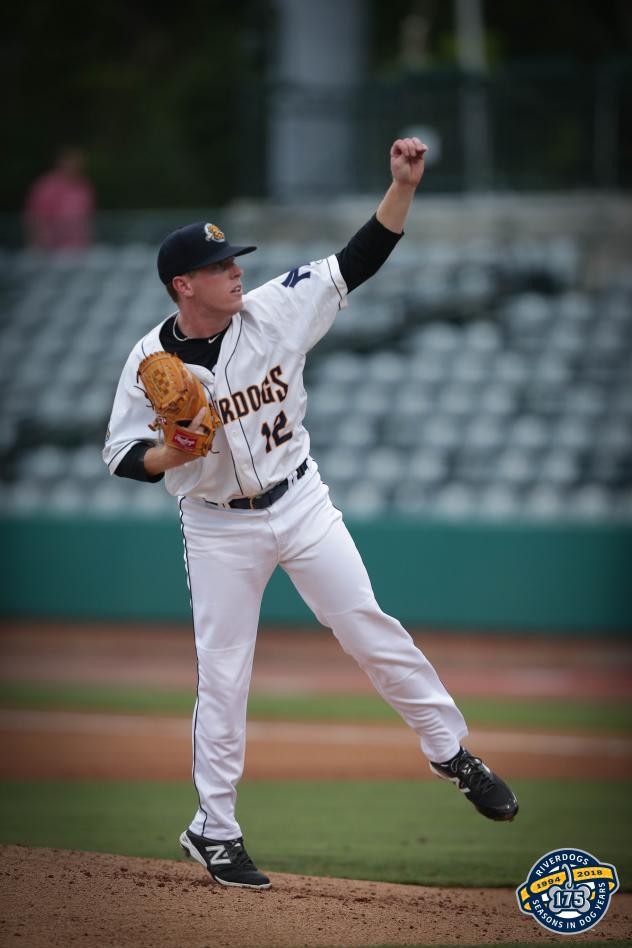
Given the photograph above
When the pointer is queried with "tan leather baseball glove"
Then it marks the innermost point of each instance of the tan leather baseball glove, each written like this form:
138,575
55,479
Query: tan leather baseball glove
176,395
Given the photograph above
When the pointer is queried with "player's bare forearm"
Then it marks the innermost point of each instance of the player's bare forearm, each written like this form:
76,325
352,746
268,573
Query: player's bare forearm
407,168
394,207
162,458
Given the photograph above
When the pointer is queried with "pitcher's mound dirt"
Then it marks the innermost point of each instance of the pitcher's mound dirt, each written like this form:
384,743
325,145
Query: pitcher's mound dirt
53,898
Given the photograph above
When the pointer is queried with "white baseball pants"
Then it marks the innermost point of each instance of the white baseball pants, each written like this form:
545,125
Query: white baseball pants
230,556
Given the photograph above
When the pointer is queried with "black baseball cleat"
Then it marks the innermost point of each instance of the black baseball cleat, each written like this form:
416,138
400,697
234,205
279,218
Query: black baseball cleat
487,792
226,860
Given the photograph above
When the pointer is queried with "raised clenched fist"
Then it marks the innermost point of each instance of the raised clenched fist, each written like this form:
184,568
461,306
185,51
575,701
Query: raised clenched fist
407,161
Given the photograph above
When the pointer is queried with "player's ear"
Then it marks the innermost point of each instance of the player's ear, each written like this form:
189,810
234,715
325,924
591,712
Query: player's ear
182,285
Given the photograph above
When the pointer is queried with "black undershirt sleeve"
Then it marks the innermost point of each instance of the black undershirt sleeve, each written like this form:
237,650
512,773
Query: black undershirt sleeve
132,464
366,252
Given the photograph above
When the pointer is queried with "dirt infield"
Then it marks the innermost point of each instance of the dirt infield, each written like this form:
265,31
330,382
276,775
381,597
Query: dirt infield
66,745
62,899
311,661
74,745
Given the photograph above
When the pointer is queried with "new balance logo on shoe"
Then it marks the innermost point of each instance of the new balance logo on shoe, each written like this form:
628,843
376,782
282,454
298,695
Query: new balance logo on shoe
219,855
227,861
294,277
484,789
457,783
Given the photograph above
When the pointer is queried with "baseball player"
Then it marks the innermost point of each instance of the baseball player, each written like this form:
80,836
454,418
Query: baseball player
256,500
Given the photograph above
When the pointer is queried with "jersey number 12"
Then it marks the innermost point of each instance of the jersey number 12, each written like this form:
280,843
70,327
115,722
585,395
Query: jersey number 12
278,435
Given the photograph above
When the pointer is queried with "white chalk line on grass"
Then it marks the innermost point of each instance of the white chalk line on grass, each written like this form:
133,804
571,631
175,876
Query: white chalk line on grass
310,733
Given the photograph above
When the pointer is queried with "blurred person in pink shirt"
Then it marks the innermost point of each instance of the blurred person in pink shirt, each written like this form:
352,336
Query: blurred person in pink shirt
59,206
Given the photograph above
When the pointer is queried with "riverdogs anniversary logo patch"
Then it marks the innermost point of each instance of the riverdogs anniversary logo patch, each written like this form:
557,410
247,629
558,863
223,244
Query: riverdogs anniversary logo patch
568,891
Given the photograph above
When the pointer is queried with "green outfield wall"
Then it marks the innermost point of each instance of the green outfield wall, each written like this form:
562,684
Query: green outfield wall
466,575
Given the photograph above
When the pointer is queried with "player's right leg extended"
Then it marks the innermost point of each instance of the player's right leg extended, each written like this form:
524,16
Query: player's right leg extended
229,560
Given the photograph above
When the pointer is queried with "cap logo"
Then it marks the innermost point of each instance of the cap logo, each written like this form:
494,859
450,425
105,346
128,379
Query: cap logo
213,232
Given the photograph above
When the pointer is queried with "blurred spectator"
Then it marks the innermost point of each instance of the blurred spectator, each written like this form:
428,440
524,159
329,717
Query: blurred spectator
59,206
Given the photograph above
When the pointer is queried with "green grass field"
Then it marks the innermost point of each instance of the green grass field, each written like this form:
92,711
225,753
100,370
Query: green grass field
400,831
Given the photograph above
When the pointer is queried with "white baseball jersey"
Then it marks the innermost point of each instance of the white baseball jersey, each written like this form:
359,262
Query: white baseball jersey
256,386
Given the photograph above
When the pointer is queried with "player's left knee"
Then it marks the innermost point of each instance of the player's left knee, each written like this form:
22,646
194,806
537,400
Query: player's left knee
367,632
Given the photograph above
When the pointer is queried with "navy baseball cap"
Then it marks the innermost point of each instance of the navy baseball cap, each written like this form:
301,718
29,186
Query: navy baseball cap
192,247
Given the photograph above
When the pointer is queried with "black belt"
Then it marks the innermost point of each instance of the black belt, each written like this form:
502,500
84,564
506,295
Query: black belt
261,501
